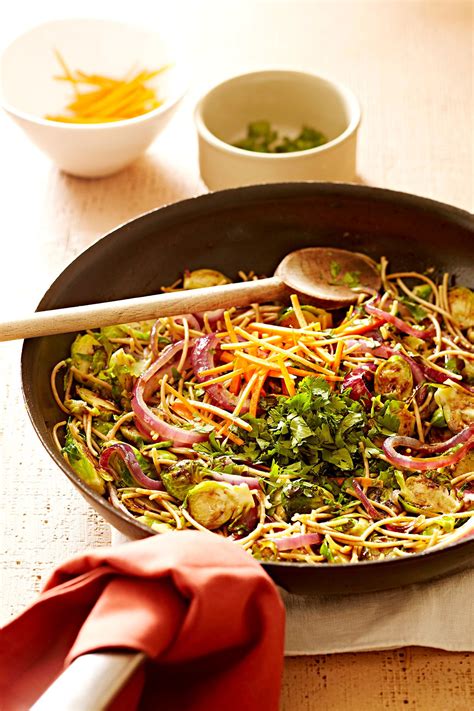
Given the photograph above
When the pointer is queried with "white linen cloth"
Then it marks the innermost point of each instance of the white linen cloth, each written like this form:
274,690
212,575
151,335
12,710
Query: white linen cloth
438,613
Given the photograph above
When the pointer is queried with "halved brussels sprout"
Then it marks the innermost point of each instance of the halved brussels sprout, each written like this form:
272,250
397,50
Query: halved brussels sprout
421,495
124,368
181,477
81,461
457,406
214,503
438,419
461,303
157,526
82,353
394,377
415,344
467,369
200,278
465,465
311,314
301,496
95,401
407,422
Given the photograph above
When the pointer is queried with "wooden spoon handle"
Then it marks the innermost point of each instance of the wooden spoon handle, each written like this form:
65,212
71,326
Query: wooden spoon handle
78,318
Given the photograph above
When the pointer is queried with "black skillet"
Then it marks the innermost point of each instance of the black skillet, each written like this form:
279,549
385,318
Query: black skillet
253,228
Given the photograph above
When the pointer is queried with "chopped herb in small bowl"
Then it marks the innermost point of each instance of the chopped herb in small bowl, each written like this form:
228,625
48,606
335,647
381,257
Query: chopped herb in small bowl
262,138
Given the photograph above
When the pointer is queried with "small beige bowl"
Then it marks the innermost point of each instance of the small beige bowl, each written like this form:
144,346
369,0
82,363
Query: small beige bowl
28,90
288,99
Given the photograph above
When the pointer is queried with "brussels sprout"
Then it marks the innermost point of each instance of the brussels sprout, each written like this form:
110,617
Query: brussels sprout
181,477
461,303
423,291
95,401
83,351
457,406
394,377
415,344
465,465
81,461
407,422
203,277
138,329
157,526
214,503
421,495
467,369
301,496
265,550
438,419
133,435
80,407
311,314
124,368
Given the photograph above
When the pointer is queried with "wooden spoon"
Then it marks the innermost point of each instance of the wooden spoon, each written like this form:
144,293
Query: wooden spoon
331,278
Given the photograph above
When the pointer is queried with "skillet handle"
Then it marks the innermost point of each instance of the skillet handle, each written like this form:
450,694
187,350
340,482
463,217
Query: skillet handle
91,682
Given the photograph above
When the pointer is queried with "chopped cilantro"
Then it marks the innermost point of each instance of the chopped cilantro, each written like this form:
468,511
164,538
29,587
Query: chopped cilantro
335,269
351,279
316,430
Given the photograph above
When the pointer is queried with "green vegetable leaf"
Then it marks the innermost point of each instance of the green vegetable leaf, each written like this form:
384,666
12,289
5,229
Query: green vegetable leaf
335,269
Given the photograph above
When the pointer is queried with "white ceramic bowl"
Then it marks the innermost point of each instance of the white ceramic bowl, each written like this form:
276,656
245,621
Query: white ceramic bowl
288,99
28,90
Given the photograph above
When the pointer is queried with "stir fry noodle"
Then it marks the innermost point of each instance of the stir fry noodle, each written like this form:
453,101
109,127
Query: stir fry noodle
302,434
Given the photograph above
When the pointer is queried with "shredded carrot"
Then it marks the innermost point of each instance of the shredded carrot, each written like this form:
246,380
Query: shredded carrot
180,397
235,384
244,394
222,378
298,311
221,413
257,393
105,99
181,409
230,327
217,369
290,386
338,356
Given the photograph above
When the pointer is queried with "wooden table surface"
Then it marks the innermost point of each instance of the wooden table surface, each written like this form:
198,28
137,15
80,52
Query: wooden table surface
411,64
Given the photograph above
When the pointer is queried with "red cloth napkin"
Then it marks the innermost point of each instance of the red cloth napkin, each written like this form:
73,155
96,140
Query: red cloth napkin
202,609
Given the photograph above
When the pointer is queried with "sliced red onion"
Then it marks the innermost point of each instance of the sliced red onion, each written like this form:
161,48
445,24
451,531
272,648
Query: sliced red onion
298,541
203,359
357,381
212,316
150,422
236,479
149,377
126,453
144,431
403,461
191,319
398,323
368,506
